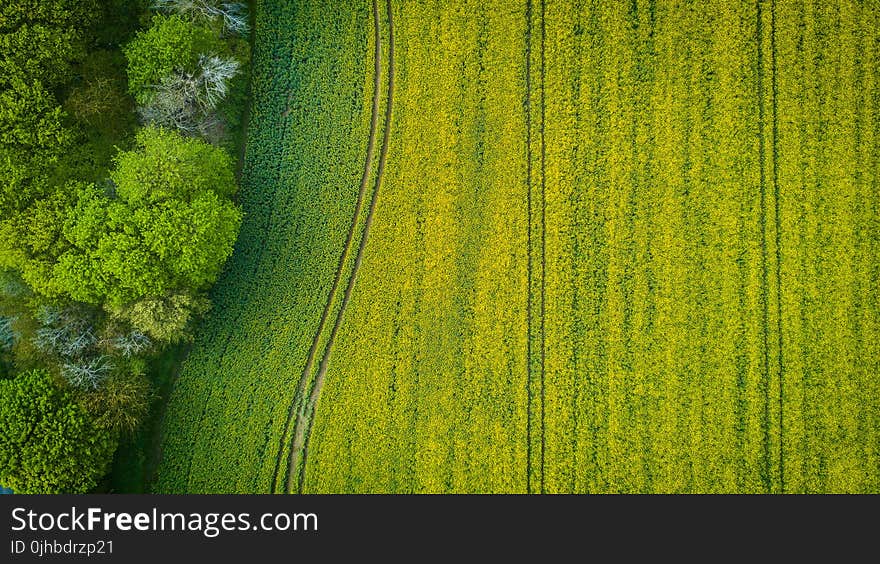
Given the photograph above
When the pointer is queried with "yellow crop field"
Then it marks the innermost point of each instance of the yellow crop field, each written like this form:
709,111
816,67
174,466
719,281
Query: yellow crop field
548,246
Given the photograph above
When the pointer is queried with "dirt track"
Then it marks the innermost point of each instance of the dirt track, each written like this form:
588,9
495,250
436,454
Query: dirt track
301,413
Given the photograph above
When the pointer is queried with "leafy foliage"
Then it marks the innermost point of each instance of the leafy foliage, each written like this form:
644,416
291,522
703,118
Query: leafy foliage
31,241
122,402
49,443
164,165
101,112
165,318
120,254
40,39
32,139
171,44
174,233
30,121
60,13
40,53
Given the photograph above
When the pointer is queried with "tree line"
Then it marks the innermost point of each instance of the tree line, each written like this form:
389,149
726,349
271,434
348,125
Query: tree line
117,123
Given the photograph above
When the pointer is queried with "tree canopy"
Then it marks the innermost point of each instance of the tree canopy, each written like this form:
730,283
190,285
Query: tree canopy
109,239
103,251
32,139
39,39
49,444
165,165
171,43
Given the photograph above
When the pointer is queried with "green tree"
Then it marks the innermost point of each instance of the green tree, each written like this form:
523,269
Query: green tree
193,239
34,52
32,240
48,443
32,139
59,13
31,120
171,43
165,165
83,244
165,318
40,39
119,254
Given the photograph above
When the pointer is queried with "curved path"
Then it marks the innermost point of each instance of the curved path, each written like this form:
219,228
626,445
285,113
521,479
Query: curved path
301,412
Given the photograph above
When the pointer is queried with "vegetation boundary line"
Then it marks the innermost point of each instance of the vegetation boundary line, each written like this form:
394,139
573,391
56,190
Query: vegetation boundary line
759,31
368,166
304,424
537,244
773,155
778,221
529,275
157,436
543,236
259,255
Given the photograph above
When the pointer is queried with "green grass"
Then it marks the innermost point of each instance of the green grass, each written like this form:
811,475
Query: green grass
616,247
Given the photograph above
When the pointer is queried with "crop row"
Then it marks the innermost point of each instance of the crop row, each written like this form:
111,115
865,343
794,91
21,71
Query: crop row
710,326
656,379
828,165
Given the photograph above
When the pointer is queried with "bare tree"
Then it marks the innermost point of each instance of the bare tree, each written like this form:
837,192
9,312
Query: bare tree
186,101
11,285
170,107
8,334
48,315
213,80
131,344
232,15
87,373
63,332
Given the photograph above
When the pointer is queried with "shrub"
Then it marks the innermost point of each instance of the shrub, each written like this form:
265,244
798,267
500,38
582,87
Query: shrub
165,319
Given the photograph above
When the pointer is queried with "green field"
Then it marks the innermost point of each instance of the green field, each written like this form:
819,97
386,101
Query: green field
548,246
